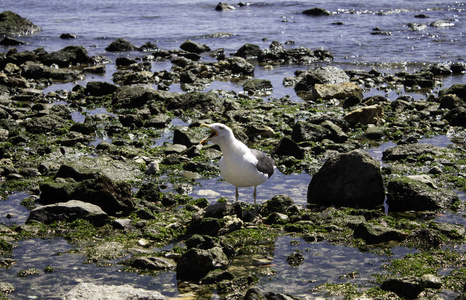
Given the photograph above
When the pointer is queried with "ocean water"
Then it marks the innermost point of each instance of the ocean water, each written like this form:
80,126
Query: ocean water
347,33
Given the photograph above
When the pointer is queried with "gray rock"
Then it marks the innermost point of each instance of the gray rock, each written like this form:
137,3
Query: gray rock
337,182
153,263
68,211
240,66
113,197
321,75
410,150
86,291
406,194
376,234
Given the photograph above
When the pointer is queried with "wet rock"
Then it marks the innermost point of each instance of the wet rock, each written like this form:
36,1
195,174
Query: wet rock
295,259
114,198
457,116
68,211
71,55
248,51
240,66
321,75
191,46
410,150
223,6
423,79
456,89
376,234
117,292
276,218
406,194
336,183
316,12
288,147
151,263
411,287
278,204
12,24
441,23
449,101
253,86
8,41
100,88
68,36
277,54
196,263
217,276
120,45
372,114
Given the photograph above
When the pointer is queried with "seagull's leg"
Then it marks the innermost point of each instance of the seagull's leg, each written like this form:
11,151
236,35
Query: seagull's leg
237,195
254,194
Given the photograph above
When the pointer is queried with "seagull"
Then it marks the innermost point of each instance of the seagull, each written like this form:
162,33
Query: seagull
240,166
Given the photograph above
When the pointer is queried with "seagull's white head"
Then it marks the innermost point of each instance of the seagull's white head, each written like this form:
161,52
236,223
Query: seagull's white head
219,133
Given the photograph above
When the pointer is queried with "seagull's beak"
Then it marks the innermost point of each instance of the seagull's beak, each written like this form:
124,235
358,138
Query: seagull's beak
213,133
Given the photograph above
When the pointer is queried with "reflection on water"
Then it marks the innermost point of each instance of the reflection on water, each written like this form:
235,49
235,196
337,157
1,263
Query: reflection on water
69,270
323,263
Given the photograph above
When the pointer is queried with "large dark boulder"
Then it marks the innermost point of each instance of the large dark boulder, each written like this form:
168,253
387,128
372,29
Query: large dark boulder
405,193
114,198
351,179
12,24
68,211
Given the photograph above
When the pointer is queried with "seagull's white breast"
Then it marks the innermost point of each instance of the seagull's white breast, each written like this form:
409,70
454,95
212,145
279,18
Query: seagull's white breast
240,169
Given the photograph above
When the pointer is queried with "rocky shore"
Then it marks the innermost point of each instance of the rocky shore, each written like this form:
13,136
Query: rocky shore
122,198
